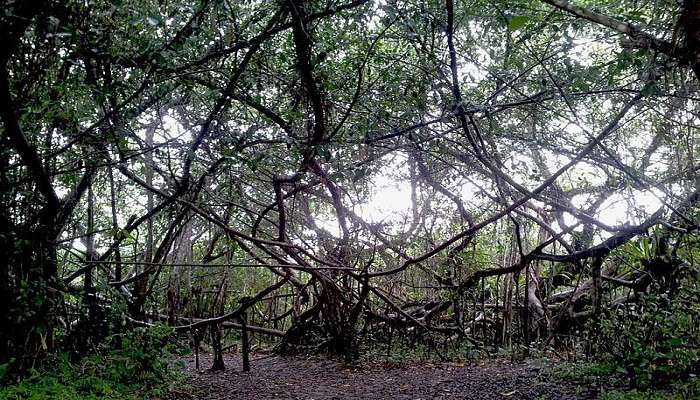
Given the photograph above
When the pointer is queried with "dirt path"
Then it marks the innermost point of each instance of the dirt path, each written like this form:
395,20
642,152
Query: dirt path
274,377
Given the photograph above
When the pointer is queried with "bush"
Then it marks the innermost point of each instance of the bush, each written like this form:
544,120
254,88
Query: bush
678,391
655,341
135,369
585,372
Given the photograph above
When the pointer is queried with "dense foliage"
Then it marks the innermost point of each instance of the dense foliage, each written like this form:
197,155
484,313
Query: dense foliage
135,368
352,177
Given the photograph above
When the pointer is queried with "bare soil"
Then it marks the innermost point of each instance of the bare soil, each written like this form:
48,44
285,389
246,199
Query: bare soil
275,377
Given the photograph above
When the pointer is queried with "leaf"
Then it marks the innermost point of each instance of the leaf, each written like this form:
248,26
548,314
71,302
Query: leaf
650,88
516,22
325,153
359,174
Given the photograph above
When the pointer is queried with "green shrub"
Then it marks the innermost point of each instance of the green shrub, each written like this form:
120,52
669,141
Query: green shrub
654,342
584,371
135,369
677,391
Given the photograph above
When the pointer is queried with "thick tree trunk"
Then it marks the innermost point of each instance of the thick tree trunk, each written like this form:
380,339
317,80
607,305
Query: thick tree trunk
332,320
217,348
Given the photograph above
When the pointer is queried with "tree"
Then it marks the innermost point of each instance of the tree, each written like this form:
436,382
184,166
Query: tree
237,148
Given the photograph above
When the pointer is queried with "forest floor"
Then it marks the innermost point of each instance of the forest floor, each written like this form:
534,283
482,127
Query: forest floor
275,377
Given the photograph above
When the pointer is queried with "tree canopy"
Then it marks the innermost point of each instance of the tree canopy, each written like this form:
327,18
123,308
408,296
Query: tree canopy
214,163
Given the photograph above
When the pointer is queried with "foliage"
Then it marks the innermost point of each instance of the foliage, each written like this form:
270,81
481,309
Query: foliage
402,353
135,368
607,375
654,341
180,156
584,371
677,391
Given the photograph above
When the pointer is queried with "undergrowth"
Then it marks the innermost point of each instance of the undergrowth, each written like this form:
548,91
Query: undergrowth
135,366
676,391
403,354
615,383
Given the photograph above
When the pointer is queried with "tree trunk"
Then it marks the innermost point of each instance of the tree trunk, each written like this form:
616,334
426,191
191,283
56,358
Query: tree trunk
141,285
30,297
218,309
90,330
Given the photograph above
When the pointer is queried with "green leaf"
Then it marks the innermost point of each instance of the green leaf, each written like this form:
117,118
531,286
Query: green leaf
650,88
516,22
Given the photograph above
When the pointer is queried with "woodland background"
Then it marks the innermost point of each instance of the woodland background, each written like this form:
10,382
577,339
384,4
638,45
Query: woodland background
349,178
